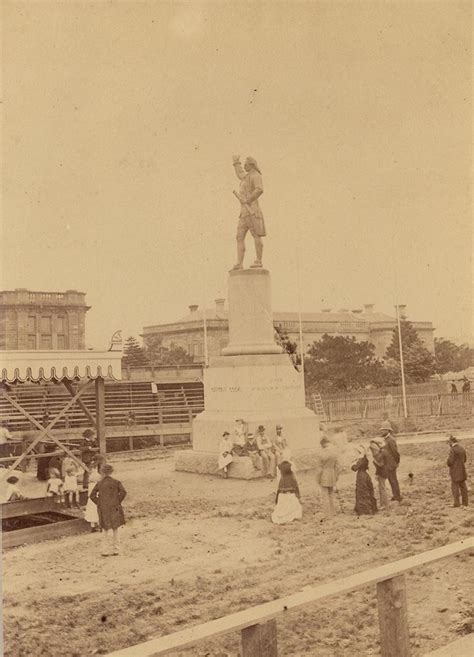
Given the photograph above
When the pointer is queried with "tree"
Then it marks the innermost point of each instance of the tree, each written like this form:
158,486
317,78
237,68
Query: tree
158,355
134,354
418,361
341,363
290,347
451,357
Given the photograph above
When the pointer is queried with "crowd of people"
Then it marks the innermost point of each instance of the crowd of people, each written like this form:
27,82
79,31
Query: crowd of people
270,456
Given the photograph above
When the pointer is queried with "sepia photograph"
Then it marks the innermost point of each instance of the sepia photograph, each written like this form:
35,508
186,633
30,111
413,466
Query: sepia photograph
237,328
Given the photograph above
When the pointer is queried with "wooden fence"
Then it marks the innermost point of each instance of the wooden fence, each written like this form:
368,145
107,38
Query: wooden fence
364,408
258,625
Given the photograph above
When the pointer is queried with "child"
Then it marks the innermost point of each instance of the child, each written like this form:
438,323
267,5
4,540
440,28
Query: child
71,489
287,500
55,485
108,494
91,516
13,493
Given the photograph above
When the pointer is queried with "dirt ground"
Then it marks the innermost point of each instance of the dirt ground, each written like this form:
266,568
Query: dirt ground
198,547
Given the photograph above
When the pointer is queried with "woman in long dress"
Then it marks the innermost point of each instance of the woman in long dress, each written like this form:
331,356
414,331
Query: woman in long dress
365,503
225,453
287,502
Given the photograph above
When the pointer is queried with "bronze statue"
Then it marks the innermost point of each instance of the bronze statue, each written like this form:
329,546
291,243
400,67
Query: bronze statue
251,217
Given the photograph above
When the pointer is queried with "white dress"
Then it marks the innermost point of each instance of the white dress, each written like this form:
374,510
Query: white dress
91,515
225,453
287,509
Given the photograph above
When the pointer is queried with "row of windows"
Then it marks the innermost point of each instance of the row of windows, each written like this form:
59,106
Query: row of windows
46,324
46,342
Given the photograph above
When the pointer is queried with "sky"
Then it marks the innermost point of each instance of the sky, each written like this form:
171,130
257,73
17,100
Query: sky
120,120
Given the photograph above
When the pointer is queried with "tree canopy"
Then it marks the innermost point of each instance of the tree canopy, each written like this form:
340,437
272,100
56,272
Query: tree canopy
418,361
451,357
134,354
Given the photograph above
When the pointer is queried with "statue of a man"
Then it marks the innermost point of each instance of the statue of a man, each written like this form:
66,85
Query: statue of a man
251,217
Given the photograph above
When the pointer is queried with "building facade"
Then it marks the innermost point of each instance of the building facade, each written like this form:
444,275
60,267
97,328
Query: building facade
42,320
362,324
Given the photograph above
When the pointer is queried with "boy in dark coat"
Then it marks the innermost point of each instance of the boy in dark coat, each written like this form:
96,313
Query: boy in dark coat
108,494
457,471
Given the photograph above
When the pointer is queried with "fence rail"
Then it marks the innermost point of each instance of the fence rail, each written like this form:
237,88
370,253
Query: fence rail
258,625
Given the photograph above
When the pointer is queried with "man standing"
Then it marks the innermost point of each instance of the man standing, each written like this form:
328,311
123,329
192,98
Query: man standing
251,217
457,472
392,463
265,449
327,473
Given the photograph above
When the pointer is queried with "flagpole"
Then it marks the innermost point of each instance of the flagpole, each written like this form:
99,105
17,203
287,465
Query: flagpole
402,368
298,282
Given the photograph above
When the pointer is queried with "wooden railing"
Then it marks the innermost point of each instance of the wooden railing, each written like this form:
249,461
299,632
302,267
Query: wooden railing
258,625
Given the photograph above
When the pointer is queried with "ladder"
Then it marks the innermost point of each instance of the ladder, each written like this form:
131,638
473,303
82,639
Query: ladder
319,407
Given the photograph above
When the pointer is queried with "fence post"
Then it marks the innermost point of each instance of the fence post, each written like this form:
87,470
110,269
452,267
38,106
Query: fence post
393,617
260,640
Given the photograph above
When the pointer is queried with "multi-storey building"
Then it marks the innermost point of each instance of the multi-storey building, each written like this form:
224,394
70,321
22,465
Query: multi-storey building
42,320
362,324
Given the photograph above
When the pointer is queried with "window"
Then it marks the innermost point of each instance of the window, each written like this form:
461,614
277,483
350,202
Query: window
32,325
61,325
62,342
45,324
46,342
32,341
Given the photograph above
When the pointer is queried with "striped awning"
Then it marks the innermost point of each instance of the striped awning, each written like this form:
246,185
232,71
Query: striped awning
34,365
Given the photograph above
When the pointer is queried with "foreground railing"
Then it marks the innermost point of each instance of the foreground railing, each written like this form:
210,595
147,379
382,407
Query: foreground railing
258,624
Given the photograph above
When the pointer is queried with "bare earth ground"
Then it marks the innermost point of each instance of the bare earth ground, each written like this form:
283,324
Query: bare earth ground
196,548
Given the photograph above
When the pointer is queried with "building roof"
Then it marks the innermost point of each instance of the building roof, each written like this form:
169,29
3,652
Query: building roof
35,365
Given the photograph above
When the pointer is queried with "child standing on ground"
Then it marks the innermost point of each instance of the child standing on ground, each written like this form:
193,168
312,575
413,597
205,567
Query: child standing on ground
55,485
91,515
71,489
108,494
288,506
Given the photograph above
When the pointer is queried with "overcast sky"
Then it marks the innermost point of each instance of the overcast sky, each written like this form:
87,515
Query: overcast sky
119,125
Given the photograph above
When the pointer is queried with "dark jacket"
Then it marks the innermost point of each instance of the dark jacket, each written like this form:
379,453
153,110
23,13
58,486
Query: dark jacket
456,461
393,455
287,483
108,494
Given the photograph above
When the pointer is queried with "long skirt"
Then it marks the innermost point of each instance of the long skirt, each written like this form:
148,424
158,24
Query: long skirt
366,503
287,508
91,514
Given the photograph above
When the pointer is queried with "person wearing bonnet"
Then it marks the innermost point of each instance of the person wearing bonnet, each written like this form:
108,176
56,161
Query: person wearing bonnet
365,502
287,501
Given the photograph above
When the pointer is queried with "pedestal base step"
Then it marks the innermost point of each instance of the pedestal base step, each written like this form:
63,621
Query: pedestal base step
240,468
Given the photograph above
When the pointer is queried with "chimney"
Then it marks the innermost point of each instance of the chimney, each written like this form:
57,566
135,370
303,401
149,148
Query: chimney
193,308
326,310
368,308
219,306
402,310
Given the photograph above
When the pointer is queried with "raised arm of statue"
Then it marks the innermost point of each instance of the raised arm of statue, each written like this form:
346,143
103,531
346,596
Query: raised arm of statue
238,168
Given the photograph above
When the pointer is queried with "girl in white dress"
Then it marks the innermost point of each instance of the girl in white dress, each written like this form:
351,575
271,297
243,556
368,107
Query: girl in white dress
91,515
288,506
225,453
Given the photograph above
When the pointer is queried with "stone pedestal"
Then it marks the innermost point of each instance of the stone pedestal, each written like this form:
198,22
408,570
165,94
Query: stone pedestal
254,381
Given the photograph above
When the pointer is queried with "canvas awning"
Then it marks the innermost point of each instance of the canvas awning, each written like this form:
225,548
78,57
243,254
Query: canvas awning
35,365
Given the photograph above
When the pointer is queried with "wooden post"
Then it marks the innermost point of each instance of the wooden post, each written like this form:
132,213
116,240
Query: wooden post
260,640
393,617
100,413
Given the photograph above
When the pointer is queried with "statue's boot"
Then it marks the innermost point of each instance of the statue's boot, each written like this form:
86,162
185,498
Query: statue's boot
237,266
256,265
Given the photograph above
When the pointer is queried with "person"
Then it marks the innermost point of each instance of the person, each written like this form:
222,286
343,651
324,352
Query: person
131,419
251,450
13,492
55,485
5,434
392,463
454,390
251,217
71,490
108,494
266,453
88,452
55,463
279,444
225,453
240,436
457,471
91,514
287,500
327,473
386,424
365,502
466,389
379,457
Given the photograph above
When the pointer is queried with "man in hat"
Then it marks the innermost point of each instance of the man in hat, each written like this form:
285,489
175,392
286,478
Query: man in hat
225,453
457,472
264,445
251,216
392,463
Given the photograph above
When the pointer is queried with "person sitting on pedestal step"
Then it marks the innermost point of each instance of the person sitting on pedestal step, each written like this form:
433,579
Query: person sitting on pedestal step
264,445
240,436
251,450
225,453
